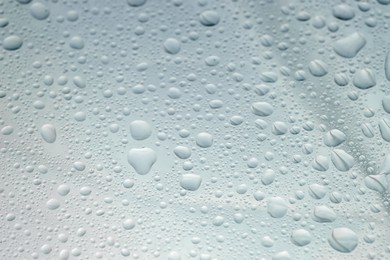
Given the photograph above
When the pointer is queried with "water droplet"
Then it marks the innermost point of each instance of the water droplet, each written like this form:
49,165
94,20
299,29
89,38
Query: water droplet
53,204
384,129
317,191
279,128
323,214
349,46
77,43
343,240
182,152
79,82
3,22
204,140
209,18
342,160
140,130
12,43
321,163
301,237
343,12
268,177
128,224
136,3
318,68
190,181
7,130
262,109
283,255
172,46
334,138
277,207
142,159
63,189
49,133
364,79
39,11
376,182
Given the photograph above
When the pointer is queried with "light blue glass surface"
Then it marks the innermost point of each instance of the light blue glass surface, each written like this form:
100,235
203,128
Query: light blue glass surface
194,129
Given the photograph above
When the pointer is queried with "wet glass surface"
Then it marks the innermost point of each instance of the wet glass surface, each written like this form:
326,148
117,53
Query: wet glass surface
202,129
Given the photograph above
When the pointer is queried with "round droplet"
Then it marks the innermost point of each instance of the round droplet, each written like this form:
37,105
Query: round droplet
190,181
317,191
80,166
79,82
204,140
376,182
218,221
259,195
53,204
10,217
301,237
342,160
236,120
46,249
12,43
76,42
343,12
269,76
321,163
334,138
182,152
216,103
364,79
261,90
367,130
128,183
39,11
72,16
343,240
80,116
7,130
318,22
136,3
172,46
85,191
279,128
277,207
335,197
128,224
212,61
49,133
318,68
209,18
140,130
341,79
63,189
323,214
268,177
262,109
266,241
3,22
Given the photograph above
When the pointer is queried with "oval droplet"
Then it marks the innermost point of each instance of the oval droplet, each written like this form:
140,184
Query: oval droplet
49,133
